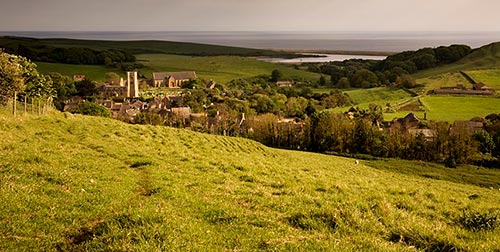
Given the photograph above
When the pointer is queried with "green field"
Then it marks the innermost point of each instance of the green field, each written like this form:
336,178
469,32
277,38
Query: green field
75,183
490,77
451,108
381,96
219,68
93,72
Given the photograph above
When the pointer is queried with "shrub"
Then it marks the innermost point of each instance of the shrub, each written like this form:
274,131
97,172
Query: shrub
477,221
92,109
149,118
450,163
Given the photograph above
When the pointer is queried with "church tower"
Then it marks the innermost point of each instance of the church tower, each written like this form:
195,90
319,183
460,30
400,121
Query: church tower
132,84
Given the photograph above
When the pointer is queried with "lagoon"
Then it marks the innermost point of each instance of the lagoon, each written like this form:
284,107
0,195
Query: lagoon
321,57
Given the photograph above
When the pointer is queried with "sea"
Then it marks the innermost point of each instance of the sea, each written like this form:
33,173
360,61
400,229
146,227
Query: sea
320,41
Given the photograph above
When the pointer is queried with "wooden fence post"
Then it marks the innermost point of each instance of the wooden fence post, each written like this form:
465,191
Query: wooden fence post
14,104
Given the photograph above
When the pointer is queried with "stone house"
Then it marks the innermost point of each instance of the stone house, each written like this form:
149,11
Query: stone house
172,79
410,121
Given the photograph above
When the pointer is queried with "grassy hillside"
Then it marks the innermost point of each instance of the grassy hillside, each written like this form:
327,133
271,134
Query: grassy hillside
482,58
443,80
74,183
145,46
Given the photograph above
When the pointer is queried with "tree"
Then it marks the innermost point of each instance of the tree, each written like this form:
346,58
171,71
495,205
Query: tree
276,75
112,78
86,88
406,81
64,88
364,78
322,80
11,76
486,143
38,86
343,83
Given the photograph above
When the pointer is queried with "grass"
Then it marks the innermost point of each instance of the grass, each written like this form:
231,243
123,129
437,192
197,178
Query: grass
443,80
451,108
490,77
93,72
485,57
75,183
219,68
381,96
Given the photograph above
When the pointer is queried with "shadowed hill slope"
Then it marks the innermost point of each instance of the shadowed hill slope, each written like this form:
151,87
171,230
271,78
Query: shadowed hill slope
143,46
484,57
75,183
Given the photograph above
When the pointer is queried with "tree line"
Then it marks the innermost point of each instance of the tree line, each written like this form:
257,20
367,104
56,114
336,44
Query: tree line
71,55
394,70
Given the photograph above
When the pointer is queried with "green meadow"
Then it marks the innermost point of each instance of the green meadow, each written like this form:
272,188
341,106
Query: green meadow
222,69
443,80
93,72
490,77
380,96
77,183
451,108
219,68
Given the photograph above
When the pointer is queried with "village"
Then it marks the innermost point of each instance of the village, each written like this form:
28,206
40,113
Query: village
123,99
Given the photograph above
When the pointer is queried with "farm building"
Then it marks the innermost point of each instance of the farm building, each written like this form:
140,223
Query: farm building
172,79
469,127
408,122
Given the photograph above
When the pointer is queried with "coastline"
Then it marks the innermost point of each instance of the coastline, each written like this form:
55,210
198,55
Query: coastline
336,52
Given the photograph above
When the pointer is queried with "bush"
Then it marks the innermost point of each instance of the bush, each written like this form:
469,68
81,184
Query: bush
477,221
450,163
92,109
149,118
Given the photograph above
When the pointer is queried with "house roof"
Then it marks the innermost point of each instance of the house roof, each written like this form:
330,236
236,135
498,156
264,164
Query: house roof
469,126
176,75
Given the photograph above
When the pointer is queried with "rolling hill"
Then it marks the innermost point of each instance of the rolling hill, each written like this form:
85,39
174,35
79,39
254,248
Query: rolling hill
144,46
484,57
77,183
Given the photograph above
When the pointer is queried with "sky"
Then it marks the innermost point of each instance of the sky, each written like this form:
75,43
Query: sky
249,15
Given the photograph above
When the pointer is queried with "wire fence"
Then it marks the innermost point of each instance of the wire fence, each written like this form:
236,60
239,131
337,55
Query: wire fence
30,106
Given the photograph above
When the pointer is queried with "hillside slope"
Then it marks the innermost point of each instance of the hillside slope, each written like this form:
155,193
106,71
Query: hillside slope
143,46
484,57
75,183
